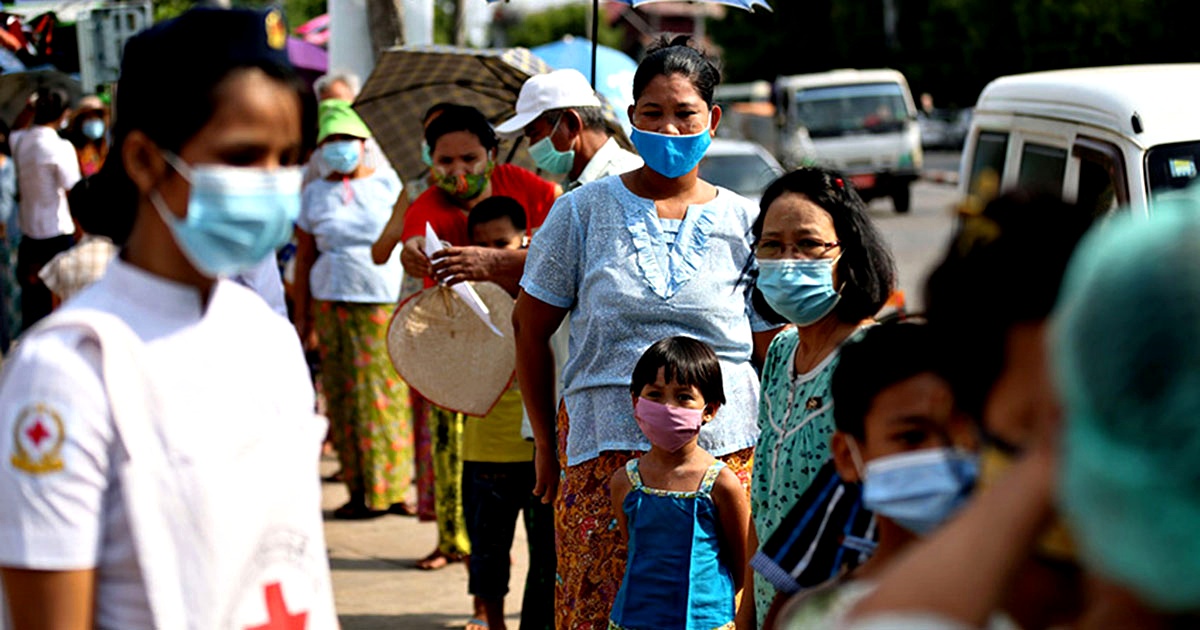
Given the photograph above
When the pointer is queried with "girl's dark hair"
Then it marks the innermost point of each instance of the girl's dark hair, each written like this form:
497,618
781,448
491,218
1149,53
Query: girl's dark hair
497,207
52,102
461,118
866,268
685,361
1003,268
666,57
169,94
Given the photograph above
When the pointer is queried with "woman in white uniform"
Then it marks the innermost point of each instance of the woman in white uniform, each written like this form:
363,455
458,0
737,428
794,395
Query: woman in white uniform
157,437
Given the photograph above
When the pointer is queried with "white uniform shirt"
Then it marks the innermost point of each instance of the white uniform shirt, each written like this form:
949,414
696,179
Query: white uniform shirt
610,159
47,168
230,378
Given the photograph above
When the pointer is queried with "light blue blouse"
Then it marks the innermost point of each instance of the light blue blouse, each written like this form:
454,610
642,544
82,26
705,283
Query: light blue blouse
345,220
604,254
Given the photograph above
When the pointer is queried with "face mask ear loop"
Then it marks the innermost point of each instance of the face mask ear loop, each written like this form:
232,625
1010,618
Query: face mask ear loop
852,444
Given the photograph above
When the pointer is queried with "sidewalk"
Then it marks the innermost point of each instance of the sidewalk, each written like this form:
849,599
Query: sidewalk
375,584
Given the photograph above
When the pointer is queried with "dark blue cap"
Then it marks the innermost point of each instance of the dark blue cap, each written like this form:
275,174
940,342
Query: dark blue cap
199,47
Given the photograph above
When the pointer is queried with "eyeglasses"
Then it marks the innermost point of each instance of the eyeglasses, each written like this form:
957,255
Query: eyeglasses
804,248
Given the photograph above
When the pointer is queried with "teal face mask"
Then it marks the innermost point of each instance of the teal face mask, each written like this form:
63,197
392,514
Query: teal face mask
799,290
342,156
550,159
236,216
426,154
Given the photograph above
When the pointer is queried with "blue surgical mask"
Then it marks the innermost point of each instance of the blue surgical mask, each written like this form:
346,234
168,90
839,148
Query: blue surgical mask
426,154
550,159
799,290
92,128
342,155
236,216
671,156
920,490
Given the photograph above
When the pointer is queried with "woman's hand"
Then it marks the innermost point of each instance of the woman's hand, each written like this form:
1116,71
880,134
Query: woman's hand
547,468
412,257
457,264
477,264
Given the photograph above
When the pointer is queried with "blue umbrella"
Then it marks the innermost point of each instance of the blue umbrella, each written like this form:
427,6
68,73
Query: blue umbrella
749,5
614,69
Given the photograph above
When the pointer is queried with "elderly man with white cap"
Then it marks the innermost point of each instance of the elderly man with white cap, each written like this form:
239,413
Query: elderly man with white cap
562,117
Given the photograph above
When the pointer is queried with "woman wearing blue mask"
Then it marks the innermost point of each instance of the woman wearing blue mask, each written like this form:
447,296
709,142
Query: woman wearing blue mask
653,253
158,430
823,267
343,304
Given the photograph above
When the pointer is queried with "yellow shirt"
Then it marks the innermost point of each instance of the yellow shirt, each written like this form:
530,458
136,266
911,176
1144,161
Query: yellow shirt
496,437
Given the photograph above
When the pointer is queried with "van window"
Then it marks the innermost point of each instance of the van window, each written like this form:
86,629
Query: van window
1102,185
1042,168
840,109
1172,166
990,150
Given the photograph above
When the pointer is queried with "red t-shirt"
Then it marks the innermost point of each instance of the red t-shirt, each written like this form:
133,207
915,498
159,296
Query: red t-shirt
535,194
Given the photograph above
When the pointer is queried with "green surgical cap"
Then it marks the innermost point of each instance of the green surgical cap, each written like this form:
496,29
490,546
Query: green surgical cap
1126,352
336,117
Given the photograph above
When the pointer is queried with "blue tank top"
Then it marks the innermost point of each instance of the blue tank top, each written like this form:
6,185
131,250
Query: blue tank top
674,578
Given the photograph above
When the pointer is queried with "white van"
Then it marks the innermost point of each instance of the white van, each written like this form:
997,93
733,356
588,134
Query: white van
1101,137
860,122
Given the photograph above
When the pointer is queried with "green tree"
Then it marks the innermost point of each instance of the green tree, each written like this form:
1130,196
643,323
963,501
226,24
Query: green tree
552,25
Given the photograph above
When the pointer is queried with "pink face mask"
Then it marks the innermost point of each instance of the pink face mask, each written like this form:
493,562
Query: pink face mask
668,428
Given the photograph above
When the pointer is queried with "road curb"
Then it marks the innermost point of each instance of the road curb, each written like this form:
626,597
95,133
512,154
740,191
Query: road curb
940,177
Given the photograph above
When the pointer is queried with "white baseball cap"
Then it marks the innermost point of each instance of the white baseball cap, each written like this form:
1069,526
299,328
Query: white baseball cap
543,92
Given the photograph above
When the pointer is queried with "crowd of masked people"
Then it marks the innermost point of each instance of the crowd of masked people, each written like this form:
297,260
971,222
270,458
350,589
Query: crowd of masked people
716,420
47,254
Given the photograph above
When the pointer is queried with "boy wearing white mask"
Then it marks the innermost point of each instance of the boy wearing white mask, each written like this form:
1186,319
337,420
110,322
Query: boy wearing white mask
900,435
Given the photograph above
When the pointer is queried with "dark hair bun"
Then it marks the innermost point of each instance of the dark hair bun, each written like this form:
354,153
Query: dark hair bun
678,55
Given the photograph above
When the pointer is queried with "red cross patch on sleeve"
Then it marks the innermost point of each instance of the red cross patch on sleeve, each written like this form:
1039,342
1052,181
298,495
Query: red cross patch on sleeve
37,440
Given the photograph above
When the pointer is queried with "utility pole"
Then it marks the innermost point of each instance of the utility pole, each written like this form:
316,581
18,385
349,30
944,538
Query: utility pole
460,22
386,20
891,15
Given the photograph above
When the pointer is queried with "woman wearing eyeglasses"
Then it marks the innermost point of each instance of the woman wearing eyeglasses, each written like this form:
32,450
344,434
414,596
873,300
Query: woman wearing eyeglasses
823,267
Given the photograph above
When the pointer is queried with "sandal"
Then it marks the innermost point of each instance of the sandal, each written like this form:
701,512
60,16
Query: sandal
402,509
438,560
353,511
475,623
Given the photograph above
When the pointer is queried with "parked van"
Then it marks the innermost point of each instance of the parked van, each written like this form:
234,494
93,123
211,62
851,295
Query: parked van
860,122
1101,137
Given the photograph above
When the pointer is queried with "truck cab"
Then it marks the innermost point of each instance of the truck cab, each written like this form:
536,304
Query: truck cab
860,122
1103,138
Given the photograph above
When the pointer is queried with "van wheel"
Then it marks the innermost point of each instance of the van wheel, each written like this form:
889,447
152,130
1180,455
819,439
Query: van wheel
901,199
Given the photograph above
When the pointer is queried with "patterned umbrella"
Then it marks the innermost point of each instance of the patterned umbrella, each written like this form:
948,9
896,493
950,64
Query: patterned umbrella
409,80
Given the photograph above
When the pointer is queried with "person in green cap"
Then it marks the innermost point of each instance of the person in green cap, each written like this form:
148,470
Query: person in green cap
343,304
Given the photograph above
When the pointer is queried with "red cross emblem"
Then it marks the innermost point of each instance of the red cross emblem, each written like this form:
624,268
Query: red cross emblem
38,435
278,617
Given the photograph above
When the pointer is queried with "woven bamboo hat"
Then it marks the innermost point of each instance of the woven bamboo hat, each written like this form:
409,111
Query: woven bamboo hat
442,349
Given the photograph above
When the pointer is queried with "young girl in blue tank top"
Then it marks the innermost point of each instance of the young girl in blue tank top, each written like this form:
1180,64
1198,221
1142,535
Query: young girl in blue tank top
682,512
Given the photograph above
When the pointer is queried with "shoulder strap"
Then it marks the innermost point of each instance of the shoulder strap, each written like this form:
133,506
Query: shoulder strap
635,477
710,476
158,511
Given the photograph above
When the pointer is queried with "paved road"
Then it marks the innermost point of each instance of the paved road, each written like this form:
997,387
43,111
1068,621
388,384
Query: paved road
918,238
375,584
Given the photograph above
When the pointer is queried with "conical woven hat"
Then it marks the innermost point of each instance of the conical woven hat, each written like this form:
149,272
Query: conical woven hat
441,348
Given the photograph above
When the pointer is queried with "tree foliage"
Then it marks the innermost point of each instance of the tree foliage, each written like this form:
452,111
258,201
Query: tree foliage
553,24
952,48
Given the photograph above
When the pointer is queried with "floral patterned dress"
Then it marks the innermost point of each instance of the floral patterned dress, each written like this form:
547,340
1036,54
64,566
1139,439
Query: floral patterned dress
795,422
